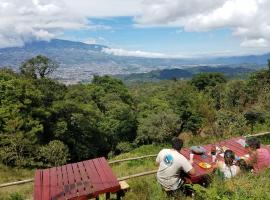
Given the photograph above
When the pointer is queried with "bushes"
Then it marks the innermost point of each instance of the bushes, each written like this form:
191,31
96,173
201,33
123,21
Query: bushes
123,147
54,154
157,127
15,196
230,123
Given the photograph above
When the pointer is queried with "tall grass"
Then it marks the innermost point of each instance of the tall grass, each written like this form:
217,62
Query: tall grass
8,174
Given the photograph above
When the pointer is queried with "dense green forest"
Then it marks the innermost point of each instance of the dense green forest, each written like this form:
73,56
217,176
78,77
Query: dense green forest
45,123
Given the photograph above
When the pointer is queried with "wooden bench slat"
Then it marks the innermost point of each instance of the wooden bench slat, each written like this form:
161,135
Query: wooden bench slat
56,189
66,188
38,185
99,169
235,149
53,182
96,182
71,181
108,174
60,183
86,184
46,185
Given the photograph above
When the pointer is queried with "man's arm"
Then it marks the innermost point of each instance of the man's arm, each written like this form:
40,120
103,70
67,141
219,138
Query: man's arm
252,159
192,171
188,168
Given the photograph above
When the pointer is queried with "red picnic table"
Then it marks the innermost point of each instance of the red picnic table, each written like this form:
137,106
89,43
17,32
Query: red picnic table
80,181
232,144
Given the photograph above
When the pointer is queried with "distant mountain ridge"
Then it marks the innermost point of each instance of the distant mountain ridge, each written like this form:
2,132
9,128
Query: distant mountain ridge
80,61
169,74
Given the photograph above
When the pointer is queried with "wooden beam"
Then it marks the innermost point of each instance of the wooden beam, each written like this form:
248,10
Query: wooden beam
258,134
16,183
137,175
135,158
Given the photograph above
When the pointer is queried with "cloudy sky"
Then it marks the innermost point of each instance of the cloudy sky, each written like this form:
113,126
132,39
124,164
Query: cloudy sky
151,28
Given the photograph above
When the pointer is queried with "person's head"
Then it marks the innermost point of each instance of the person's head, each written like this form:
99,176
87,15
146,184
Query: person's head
229,157
177,143
243,165
253,143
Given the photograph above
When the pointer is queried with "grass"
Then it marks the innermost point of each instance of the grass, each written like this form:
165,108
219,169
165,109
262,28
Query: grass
8,174
246,186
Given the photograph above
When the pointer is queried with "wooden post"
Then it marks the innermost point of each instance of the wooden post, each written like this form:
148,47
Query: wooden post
258,134
137,175
16,183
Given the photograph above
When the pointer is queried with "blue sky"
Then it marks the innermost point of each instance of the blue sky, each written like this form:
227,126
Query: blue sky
159,28
122,32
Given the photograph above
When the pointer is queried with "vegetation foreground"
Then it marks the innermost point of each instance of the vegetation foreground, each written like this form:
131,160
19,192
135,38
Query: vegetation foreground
244,186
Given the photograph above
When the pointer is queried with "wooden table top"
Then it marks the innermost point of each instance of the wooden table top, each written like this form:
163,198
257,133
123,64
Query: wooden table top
81,180
231,144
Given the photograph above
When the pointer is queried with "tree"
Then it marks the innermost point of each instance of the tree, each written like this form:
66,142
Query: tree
252,117
39,66
228,122
204,80
157,127
186,102
235,97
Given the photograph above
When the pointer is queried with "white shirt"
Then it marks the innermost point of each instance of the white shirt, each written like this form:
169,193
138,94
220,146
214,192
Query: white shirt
171,163
229,171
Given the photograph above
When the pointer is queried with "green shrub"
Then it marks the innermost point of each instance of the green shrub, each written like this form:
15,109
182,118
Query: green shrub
157,127
15,196
123,147
228,122
54,154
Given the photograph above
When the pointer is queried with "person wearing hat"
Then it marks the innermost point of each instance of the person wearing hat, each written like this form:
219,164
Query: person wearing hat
171,163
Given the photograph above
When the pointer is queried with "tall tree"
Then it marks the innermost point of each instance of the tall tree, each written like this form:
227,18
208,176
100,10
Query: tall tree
38,67
204,80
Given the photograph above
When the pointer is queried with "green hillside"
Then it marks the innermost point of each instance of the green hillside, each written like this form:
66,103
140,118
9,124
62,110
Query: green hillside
231,72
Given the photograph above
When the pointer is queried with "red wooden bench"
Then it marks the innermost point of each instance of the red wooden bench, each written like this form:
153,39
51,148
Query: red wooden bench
80,181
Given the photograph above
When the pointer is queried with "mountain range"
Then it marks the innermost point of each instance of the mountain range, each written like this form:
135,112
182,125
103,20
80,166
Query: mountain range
80,61
187,73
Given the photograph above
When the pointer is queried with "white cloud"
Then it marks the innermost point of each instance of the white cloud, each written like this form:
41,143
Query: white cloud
90,41
22,21
123,52
254,43
249,19
183,55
